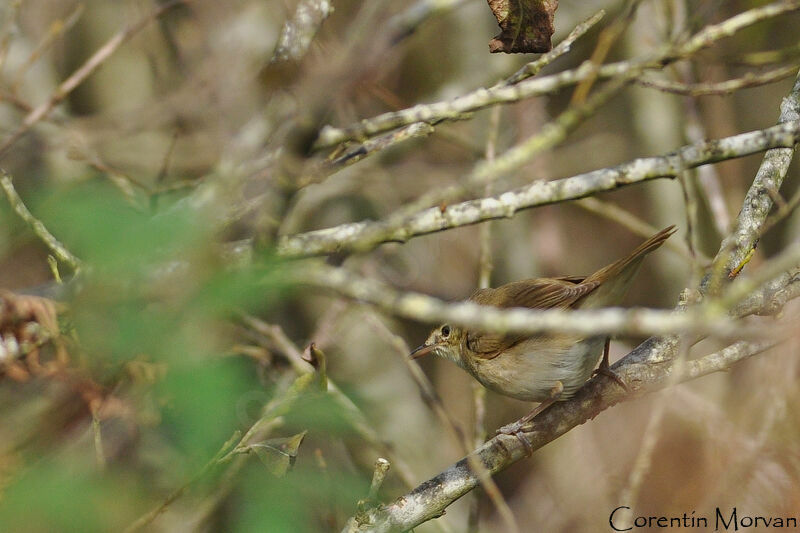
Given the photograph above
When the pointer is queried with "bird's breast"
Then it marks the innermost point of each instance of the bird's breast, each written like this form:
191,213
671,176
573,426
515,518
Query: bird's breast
530,370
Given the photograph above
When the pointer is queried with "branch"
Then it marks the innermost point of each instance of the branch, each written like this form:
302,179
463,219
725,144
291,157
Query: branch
532,69
36,225
645,370
361,236
758,203
709,318
631,222
751,79
354,415
297,33
84,71
649,367
481,98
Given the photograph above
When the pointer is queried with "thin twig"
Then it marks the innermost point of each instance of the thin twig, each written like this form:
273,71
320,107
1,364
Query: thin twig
84,71
297,33
605,41
58,249
631,222
12,18
99,453
455,109
750,79
707,175
354,154
151,515
484,281
432,399
485,172
692,207
356,417
362,236
533,68
57,29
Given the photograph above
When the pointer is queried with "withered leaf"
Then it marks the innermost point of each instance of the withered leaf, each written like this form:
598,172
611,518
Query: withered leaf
278,455
526,25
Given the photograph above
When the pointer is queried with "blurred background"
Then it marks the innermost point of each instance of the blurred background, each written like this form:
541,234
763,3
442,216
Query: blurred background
172,170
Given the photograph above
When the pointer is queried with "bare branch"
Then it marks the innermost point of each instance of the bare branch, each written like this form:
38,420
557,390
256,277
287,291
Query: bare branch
84,71
706,319
297,33
645,370
758,203
456,109
36,225
361,236
750,79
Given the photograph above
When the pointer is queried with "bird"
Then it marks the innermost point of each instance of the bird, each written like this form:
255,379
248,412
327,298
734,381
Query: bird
547,367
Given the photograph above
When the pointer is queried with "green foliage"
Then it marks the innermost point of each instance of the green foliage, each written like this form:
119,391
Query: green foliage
97,223
67,495
155,291
200,401
305,500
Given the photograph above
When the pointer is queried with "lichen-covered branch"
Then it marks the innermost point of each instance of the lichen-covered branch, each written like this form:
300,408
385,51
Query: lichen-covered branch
709,318
750,79
356,153
532,69
36,225
361,236
649,367
298,32
486,172
644,370
456,108
759,201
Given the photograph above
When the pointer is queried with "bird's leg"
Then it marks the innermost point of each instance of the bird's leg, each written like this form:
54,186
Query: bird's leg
515,428
606,371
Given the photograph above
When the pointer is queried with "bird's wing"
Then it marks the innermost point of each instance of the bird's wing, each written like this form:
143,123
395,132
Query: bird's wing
542,293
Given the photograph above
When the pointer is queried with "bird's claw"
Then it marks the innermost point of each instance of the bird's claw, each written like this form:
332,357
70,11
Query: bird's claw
607,372
515,429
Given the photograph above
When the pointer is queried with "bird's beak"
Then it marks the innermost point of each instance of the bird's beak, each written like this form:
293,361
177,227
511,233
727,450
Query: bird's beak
422,351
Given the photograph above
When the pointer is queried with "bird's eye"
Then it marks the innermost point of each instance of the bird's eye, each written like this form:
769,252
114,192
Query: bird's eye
445,331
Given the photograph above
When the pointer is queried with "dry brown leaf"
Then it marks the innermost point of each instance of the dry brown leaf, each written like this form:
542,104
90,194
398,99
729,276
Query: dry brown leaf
527,25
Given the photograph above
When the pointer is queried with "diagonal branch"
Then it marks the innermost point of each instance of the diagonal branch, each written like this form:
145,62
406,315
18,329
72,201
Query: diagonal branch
36,225
298,32
84,71
361,236
500,94
737,247
651,366
645,370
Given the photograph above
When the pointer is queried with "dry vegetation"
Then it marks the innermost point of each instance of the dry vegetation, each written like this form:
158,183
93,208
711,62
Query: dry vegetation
197,191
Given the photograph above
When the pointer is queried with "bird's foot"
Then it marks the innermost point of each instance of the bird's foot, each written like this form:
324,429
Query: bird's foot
607,372
515,429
